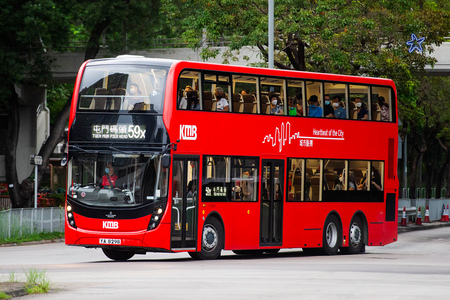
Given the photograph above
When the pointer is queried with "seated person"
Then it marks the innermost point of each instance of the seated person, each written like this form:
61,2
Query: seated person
339,111
314,109
292,107
193,100
363,113
184,100
328,109
275,109
109,179
384,109
133,101
222,103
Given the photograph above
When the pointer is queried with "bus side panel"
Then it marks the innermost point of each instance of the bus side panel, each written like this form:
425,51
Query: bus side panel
241,223
302,225
158,238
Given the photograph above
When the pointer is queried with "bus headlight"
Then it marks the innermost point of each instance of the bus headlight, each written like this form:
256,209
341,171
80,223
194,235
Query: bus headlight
156,218
69,215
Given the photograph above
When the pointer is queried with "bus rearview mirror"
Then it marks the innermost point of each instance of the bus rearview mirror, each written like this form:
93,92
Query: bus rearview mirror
166,160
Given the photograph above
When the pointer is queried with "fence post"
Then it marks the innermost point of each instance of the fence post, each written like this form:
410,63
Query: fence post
21,219
31,218
9,223
51,219
42,219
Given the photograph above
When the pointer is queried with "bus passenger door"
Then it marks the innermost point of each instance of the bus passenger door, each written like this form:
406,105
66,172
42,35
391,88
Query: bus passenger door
184,202
272,195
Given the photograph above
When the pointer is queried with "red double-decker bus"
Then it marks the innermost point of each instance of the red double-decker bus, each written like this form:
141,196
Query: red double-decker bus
174,156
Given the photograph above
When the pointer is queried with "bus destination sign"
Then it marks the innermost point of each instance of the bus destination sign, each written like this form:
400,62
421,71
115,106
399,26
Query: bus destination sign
122,132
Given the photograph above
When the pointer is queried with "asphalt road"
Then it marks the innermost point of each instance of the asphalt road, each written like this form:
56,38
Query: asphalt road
416,267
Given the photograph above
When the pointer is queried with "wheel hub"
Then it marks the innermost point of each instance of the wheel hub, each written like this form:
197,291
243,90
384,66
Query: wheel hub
331,235
209,238
355,235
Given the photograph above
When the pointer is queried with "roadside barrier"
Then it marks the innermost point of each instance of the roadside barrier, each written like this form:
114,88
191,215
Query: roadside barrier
427,215
444,217
403,222
419,218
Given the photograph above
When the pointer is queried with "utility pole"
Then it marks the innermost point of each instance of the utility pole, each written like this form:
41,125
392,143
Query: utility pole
271,31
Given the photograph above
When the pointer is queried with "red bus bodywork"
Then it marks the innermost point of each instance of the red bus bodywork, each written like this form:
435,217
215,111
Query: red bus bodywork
265,137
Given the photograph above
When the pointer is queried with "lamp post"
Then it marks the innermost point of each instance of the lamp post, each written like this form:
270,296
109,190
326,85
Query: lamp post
271,30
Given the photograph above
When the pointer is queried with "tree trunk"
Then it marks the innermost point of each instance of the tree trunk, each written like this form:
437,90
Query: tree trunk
57,134
20,194
413,178
441,170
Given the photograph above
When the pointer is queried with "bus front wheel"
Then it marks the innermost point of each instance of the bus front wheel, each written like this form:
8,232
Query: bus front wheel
118,255
212,240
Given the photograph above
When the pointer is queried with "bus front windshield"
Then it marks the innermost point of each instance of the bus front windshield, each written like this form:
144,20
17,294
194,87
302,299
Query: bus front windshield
117,179
122,88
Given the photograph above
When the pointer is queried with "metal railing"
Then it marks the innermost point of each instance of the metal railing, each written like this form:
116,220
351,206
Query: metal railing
19,222
420,193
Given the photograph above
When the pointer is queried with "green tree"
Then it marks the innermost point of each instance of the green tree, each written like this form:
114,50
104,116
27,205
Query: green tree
363,38
29,28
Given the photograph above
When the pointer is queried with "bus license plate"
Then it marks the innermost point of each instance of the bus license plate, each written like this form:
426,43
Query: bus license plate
110,241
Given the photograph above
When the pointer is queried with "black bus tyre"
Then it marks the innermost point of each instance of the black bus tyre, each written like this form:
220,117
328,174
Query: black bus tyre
331,235
117,254
212,240
356,236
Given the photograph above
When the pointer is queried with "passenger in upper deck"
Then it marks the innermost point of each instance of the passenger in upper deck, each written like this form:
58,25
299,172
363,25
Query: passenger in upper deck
363,113
339,111
133,101
183,97
328,109
314,109
193,100
292,107
275,108
222,103
384,109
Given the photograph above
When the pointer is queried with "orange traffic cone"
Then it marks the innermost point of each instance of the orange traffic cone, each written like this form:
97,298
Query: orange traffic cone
443,214
446,214
427,216
419,218
403,222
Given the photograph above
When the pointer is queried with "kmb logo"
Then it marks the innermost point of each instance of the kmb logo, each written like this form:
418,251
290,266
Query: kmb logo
111,224
188,132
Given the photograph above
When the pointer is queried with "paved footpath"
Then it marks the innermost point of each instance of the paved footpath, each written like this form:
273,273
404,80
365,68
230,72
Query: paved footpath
17,289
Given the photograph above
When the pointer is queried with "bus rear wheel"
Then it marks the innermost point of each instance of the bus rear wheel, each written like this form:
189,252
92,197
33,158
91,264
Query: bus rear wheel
356,237
117,254
212,240
331,234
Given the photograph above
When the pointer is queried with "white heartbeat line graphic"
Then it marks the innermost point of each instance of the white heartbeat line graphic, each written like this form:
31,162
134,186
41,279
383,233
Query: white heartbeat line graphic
281,136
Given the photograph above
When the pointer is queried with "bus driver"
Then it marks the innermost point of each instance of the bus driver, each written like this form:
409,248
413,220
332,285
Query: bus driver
109,179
